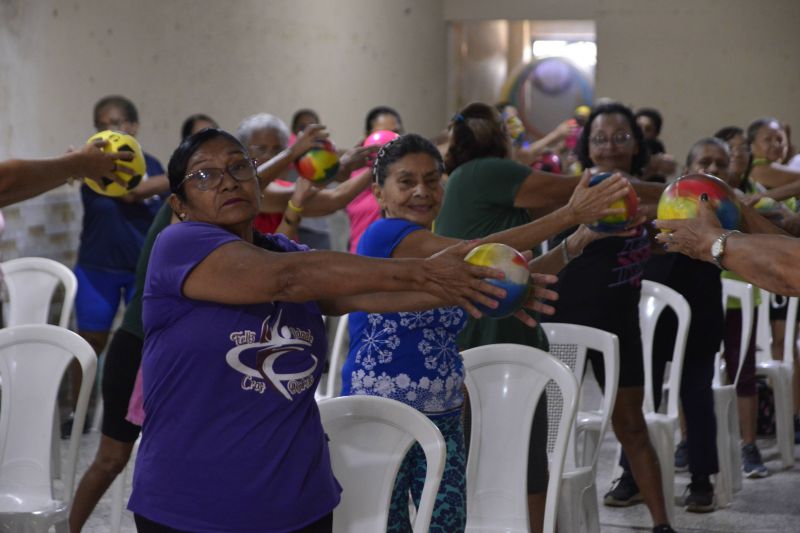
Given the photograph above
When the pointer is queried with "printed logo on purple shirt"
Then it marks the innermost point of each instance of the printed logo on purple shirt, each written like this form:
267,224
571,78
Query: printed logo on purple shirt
274,342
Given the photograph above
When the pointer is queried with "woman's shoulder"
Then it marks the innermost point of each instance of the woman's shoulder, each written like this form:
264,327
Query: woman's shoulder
383,235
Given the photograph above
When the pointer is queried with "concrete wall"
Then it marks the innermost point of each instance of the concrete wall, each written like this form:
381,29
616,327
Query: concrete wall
704,63
228,59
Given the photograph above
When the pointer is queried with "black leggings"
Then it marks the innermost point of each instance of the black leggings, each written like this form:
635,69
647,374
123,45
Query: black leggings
143,525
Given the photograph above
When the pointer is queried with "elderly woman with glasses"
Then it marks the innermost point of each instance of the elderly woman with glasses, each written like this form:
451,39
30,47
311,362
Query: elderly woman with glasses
287,208
234,345
487,192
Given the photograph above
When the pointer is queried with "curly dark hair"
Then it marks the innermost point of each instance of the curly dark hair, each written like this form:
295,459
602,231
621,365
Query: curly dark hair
476,131
642,155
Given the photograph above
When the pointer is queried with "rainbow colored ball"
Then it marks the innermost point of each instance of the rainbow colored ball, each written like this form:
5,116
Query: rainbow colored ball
517,276
681,198
614,223
320,164
116,141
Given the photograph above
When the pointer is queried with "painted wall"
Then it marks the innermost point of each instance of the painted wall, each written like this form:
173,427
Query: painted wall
227,59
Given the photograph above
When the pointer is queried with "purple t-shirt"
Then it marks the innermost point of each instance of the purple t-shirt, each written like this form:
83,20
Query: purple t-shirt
232,440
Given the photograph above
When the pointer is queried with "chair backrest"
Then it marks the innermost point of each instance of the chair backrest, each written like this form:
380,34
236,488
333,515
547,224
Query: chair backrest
33,360
568,344
31,283
733,289
505,383
369,438
339,350
764,331
655,298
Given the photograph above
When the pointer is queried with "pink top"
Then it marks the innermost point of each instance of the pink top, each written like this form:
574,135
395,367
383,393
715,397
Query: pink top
362,211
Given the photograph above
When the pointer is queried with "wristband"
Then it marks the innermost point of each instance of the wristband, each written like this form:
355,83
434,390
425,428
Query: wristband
293,207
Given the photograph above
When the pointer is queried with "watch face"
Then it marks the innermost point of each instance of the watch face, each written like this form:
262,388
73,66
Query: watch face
716,248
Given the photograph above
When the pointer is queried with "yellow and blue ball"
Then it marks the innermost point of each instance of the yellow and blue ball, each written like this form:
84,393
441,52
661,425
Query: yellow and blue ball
517,279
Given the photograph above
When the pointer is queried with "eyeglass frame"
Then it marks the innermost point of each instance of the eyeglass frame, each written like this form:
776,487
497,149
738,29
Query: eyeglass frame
611,141
227,169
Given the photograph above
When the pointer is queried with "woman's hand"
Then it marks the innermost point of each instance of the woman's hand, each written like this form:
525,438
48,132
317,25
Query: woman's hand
306,139
354,159
588,204
694,236
96,164
448,277
539,292
303,191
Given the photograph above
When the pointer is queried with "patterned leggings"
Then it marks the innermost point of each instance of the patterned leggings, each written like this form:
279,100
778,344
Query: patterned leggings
450,511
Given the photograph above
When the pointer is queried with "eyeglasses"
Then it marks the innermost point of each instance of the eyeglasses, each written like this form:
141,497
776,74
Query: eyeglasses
210,178
618,139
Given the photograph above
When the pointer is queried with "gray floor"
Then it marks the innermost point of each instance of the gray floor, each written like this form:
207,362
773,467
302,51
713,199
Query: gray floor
764,505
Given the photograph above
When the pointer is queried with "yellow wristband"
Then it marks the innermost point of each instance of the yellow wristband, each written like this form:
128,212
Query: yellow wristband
293,207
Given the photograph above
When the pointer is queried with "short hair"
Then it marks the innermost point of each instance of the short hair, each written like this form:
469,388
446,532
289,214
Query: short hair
476,131
639,159
375,112
705,141
728,132
188,124
121,103
262,121
299,114
179,161
400,147
652,114
757,124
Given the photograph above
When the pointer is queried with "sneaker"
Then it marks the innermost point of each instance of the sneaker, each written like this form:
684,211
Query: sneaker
682,457
664,528
700,498
752,465
624,493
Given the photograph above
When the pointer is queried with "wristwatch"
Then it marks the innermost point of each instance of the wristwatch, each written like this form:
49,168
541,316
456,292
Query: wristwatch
718,247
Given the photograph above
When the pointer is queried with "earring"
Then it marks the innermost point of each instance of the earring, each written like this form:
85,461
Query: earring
182,216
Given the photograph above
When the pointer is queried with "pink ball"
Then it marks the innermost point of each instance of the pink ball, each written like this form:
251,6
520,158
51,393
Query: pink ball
378,138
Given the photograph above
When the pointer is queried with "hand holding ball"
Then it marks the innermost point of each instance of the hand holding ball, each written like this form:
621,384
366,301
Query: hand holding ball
119,142
320,164
619,222
680,199
517,276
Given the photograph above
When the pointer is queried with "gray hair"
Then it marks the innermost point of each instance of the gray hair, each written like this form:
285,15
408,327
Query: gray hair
262,121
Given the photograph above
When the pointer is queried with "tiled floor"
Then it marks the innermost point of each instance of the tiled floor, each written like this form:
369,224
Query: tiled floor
763,505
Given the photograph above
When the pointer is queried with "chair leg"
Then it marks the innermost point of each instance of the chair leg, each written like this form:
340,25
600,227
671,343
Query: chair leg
723,491
663,440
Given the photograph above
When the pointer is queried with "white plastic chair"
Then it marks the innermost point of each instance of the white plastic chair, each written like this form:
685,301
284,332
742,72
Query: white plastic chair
369,438
578,509
729,478
339,350
31,282
33,360
780,375
661,427
505,383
